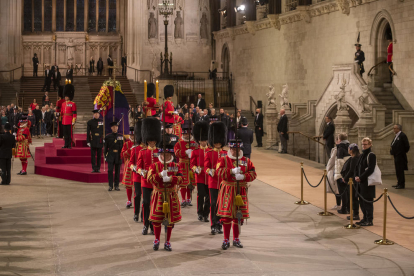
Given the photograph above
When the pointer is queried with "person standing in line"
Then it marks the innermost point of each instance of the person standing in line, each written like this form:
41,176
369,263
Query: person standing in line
328,135
35,61
7,146
112,152
348,171
282,129
365,167
246,136
94,140
399,148
258,127
201,103
342,156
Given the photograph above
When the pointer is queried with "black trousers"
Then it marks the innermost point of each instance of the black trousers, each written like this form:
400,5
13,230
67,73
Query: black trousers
46,85
213,208
96,156
146,200
60,134
99,72
124,70
111,179
259,136
399,171
110,72
67,133
246,155
345,195
367,209
203,200
5,166
35,70
137,197
55,84
38,129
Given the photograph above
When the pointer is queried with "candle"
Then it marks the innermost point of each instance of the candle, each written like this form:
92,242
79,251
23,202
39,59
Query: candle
145,90
66,81
70,81
157,91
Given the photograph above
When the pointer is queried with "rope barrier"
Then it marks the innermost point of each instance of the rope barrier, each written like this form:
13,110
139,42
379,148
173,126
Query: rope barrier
337,195
368,201
320,182
392,204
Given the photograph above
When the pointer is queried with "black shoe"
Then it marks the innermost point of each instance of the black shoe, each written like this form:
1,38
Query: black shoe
4,183
206,219
361,221
151,230
167,246
117,189
399,187
136,218
69,147
225,245
367,223
93,171
189,203
237,243
109,189
395,186
183,204
213,231
343,212
145,230
98,171
64,147
19,173
356,217
23,173
156,245
200,218
218,229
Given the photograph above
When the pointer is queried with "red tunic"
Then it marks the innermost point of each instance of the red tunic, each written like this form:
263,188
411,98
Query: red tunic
210,162
68,113
226,207
157,198
146,158
126,155
389,52
183,160
23,139
197,161
150,108
136,177
169,112
178,121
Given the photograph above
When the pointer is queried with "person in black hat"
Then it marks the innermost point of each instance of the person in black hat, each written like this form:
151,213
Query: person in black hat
112,150
200,134
7,145
359,58
172,138
246,135
94,139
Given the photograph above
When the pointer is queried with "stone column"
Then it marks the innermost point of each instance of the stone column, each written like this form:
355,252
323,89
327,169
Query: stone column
271,127
365,126
342,122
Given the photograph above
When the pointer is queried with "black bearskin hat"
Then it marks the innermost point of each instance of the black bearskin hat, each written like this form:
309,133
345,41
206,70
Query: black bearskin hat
217,134
150,90
168,91
69,91
60,92
7,127
200,131
137,133
151,130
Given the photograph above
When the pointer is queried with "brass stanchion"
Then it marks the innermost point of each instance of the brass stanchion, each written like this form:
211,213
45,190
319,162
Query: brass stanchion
301,202
384,240
351,224
325,213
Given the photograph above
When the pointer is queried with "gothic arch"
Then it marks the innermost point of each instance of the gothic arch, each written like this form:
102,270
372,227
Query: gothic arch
225,59
380,22
332,110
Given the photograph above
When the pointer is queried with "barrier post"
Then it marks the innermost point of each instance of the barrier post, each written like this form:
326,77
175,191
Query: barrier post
301,202
325,213
351,224
384,240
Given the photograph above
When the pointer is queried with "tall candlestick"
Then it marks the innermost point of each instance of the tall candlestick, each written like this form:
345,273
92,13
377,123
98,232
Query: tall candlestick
145,90
157,91
66,81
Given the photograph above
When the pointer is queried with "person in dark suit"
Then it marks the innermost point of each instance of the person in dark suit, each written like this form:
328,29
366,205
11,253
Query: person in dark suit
282,129
69,74
94,139
201,103
196,116
224,118
399,148
239,119
365,167
91,66
48,79
110,63
99,66
35,61
56,78
328,135
112,150
14,119
7,144
124,65
55,68
359,58
205,117
258,127
246,135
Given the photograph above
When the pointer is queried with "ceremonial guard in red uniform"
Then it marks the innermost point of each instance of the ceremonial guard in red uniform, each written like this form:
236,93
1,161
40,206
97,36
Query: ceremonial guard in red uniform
59,103
200,134
389,57
165,205
23,139
233,203
127,172
68,115
178,121
217,138
151,136
136,177
168,106
150,105
183,151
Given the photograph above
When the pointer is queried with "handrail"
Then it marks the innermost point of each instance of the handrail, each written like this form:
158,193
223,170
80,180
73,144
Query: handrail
307,136
255,106
372,68
309,139
11,72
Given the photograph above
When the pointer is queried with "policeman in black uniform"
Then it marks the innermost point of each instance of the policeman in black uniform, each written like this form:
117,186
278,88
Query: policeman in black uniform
94,138
7,144
359,58
112,150
35,64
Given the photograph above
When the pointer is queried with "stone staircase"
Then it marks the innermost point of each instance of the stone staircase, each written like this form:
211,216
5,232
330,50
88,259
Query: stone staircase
386,97
84,103
8,93
138,90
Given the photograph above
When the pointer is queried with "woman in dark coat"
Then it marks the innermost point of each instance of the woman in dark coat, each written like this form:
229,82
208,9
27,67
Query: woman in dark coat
348,171
365,167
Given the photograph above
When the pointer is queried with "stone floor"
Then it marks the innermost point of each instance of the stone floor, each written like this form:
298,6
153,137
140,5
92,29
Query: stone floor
57,227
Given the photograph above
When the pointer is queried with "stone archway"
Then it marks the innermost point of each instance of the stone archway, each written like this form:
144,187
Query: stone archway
332,112
225,61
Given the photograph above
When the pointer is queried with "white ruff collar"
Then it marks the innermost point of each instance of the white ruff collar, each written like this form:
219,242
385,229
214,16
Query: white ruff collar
166,162
186,140
234,157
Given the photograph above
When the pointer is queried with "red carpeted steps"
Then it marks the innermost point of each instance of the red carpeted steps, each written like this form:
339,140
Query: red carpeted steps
71,164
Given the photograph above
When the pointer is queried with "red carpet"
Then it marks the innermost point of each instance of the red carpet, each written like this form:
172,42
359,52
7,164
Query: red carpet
71,164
